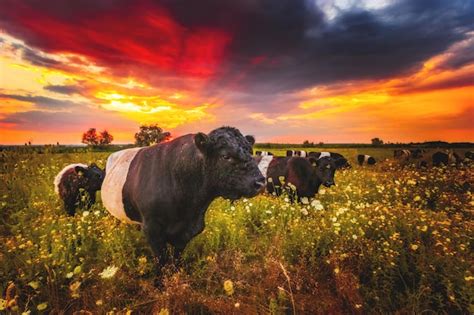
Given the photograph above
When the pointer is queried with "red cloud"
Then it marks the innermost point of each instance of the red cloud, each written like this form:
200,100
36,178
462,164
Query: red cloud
142,33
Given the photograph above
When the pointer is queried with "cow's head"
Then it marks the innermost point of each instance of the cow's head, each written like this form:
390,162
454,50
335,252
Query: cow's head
325,169
342,163
94,174
231,169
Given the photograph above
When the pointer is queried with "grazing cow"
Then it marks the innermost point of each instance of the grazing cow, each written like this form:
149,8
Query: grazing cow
417,153
263,153
74,178
339,159
445,158
168,187
402,154
306,174
300,153
365,159
469,155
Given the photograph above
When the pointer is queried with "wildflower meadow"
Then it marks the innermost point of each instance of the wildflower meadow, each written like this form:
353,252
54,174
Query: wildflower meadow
386,239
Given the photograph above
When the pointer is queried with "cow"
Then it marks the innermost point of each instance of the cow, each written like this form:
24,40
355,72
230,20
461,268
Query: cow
340,161
300,153
445,158
167,187
263,153
402,154
75,178
417,153
365,159
305,174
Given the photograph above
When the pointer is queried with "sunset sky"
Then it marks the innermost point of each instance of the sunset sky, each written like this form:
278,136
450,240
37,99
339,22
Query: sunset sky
284,71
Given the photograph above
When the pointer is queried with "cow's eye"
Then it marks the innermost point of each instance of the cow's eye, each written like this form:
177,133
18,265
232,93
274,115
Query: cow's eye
226,157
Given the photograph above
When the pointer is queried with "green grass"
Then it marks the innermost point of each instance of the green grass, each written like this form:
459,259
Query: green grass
386,239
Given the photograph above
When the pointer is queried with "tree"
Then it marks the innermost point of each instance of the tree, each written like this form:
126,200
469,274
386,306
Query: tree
90,137
377,141
105,138
307,144
151,134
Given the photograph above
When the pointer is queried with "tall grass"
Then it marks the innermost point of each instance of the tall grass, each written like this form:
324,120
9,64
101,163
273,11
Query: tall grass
386,239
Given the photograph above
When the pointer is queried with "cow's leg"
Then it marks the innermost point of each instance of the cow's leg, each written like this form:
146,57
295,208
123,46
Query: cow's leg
90,199
154,236
70,205
180,243
177,251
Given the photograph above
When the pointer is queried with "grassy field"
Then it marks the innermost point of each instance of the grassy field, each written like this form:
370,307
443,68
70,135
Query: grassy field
386,239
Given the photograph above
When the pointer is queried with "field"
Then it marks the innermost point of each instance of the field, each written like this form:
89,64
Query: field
385,239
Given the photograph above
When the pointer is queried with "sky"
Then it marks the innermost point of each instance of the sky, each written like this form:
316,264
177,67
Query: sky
284,71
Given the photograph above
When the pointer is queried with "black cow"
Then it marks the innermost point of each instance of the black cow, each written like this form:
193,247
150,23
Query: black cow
340,161
367,159
263,153
306,174
168,187
417,153
74,178
445,158
300,153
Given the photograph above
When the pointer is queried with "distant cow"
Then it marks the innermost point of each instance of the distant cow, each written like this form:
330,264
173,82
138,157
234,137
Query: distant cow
445,158
402,154
339,159
263,153
75,178
306,174
300,153
365,159
417,153
168,187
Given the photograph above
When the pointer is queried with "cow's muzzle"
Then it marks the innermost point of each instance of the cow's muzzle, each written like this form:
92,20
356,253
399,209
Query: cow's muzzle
329,183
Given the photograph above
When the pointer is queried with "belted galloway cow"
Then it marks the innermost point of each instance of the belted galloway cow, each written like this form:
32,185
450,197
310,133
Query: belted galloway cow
340,161
73,181
168,187
306,175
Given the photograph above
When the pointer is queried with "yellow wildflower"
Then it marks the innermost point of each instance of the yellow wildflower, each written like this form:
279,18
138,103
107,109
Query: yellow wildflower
228,287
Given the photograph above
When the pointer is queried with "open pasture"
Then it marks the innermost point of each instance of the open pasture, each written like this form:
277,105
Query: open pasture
385,239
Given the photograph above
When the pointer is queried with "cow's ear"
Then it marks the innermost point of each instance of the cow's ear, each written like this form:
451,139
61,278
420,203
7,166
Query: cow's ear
93,165
313,161
80,170
202,142
250,139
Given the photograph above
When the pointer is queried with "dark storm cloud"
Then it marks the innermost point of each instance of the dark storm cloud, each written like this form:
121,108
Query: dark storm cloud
275,46
63,89
364,45
40,101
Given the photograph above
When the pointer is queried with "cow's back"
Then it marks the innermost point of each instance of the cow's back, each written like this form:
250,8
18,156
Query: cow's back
117,168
